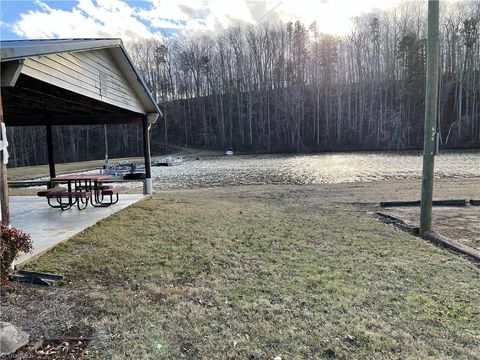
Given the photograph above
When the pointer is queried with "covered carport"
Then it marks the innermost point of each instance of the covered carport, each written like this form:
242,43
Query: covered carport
72,82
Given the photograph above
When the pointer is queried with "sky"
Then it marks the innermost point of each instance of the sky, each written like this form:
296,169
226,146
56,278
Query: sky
132,20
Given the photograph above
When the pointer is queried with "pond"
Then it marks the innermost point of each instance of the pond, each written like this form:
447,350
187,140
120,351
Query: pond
312,168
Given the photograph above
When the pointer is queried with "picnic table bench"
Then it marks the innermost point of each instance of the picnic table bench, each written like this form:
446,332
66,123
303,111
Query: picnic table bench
44,193
81,189
81,199
113,190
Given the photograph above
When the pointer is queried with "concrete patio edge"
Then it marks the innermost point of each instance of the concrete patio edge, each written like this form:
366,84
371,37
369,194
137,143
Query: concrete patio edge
48,233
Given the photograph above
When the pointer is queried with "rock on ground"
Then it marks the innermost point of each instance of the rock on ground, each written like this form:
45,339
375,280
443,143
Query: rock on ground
11,338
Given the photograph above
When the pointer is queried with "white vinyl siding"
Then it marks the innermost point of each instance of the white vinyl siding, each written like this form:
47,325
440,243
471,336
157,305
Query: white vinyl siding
81,72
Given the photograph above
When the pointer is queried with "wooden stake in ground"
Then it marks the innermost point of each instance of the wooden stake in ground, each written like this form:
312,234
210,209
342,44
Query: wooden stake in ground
3,176
431,94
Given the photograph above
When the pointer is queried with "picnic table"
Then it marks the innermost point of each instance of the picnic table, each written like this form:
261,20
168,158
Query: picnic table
81,189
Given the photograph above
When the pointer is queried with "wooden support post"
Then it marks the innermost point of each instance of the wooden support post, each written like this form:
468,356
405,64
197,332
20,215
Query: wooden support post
106,142
51,159
431,94
4,205
148,162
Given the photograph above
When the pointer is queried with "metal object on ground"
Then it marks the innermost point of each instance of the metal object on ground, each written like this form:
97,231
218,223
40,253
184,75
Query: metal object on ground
34,277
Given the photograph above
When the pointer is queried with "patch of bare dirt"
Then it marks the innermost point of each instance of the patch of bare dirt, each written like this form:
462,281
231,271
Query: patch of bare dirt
459,223
52,316
54,349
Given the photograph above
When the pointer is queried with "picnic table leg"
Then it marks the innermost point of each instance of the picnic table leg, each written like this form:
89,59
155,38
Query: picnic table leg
94,199
82,203
59,202
100,197
95,189
64,207
69,187
87,188
99,202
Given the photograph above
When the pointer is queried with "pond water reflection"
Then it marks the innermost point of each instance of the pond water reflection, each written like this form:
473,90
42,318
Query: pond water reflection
312,168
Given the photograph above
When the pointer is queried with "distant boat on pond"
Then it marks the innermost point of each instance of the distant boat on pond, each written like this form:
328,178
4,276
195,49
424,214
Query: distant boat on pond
124,170
168,161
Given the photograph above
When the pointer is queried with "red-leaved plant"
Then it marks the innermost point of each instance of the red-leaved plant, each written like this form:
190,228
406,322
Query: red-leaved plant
12,242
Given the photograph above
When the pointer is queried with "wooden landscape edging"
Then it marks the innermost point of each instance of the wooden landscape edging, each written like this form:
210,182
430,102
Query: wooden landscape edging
442,240
431,235
401,224
451,202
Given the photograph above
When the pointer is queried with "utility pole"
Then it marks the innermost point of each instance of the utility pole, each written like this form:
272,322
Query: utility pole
4,205
431,94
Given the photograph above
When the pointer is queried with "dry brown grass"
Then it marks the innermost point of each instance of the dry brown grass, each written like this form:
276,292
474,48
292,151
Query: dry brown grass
253,273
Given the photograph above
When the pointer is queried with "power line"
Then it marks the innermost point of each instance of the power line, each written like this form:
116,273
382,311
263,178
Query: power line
268,13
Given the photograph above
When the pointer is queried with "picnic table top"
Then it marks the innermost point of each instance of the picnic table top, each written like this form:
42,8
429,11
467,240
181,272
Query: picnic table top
81,177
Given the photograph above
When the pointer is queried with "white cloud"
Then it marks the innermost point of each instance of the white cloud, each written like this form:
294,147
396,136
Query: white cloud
118,18
178,10
223,13
103,18
196,14
332,16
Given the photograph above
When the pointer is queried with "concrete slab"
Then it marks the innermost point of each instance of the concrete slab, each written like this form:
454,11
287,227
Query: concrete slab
49,227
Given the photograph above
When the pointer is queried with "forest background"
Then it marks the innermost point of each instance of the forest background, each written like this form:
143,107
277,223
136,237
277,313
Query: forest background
285,87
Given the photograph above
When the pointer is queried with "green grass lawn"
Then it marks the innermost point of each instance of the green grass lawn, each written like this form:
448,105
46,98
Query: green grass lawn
207,274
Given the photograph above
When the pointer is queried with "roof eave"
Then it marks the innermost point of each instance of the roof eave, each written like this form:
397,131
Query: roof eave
142,82
16,53
47,47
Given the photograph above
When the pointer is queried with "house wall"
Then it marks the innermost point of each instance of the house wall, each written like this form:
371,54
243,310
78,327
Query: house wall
91,73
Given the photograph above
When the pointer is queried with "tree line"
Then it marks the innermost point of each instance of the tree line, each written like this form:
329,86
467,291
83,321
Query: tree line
287,87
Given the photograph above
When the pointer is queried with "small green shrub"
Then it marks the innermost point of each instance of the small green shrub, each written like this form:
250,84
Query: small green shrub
12,242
